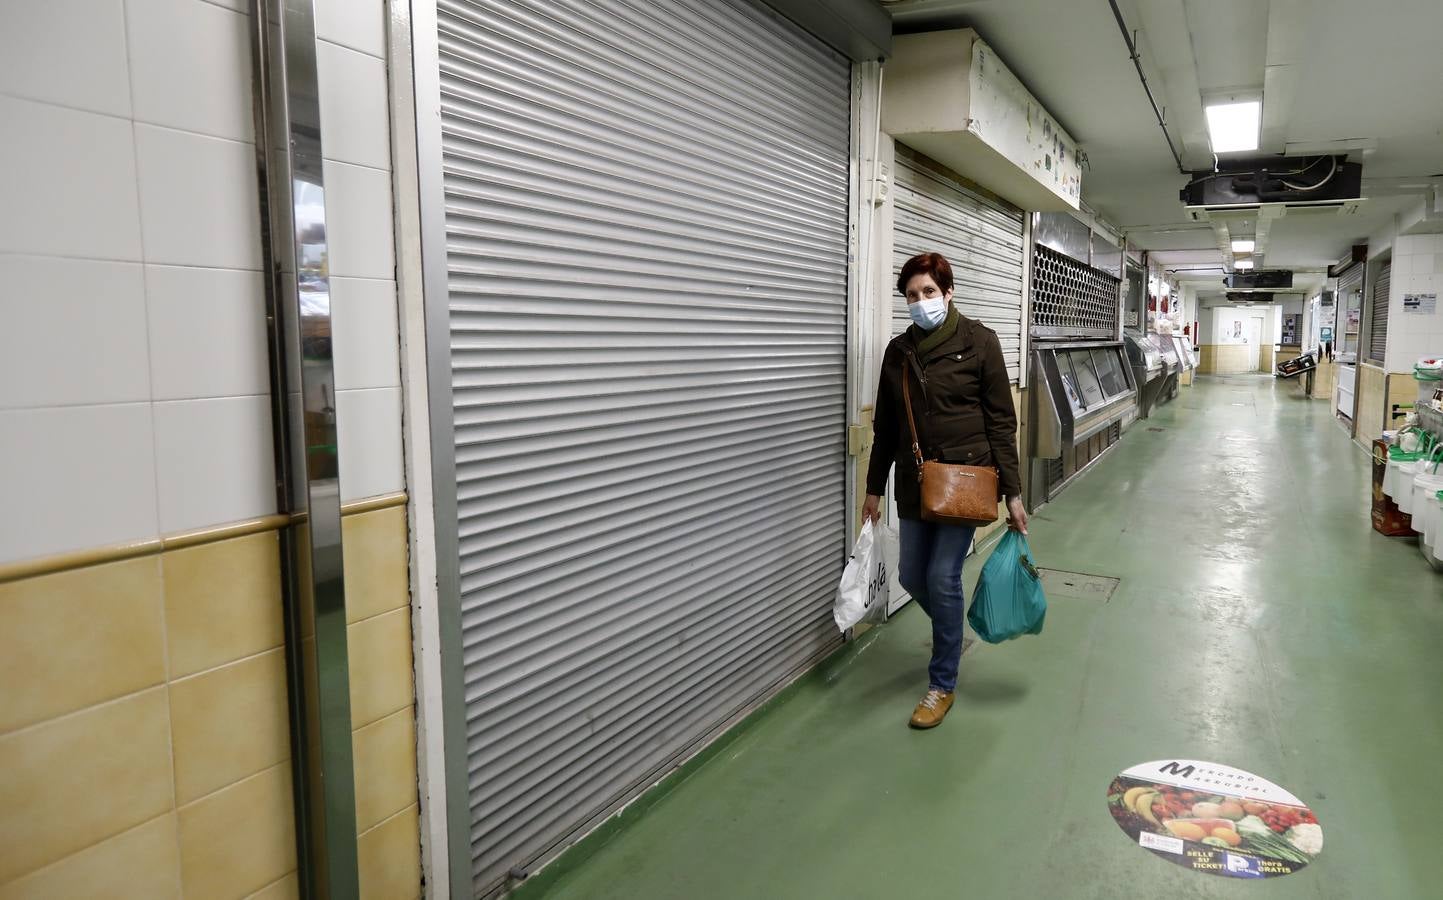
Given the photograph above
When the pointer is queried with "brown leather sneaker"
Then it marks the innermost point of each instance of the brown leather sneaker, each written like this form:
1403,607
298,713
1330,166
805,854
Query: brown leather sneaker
932,710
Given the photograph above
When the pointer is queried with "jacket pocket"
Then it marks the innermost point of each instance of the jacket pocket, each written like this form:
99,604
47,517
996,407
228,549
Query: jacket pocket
971,453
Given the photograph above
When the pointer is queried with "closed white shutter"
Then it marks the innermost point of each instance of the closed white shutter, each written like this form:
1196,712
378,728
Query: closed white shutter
980,237
646,225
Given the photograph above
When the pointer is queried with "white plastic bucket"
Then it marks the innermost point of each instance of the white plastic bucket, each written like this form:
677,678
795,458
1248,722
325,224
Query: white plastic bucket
1426,486
1407,474
1403,485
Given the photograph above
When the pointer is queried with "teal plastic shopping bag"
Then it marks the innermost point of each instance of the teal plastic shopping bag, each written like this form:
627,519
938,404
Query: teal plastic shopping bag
1009,601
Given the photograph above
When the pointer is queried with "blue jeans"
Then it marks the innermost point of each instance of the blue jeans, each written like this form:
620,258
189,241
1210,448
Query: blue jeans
931,571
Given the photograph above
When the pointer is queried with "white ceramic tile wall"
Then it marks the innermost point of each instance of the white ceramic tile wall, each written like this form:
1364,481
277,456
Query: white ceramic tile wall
213,461
198,198
355,120
369,433
133,368
201,83
73,333
364,331
68,52
207,333
1417,269
358,24
68,179
359,221
356,140
76,477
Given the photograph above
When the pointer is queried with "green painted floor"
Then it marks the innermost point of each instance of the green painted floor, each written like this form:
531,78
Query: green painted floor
1259,623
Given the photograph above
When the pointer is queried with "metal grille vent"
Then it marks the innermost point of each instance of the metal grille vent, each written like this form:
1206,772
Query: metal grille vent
1070,299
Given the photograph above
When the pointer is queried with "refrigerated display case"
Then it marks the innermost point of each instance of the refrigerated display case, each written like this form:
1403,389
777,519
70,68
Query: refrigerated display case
1155,361
1084,397
1186,360
1187,356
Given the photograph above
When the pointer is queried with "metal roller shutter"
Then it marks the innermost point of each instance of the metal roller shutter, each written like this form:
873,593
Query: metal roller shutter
1378,314
1350,300
981,238
646,222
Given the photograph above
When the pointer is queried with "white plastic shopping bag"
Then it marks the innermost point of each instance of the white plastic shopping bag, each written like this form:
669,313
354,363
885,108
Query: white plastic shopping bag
862,594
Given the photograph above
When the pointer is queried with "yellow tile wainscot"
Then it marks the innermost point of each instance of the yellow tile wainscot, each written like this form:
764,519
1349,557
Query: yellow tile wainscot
151,759
240,839
391,858
72,782
385,765
228,724
222,602
79,638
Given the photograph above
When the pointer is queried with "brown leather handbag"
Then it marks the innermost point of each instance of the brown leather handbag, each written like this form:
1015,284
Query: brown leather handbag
951,494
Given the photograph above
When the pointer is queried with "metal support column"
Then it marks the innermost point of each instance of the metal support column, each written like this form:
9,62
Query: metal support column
303,420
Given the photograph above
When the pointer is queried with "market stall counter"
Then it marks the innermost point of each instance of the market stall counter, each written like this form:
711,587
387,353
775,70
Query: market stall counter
1085,396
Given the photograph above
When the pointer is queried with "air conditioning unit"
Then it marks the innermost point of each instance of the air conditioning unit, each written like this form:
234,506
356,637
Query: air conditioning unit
1267,279
1326,185
1247,298
947,95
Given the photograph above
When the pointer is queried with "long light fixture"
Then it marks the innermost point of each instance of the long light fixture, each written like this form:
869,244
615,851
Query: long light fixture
1234,127
1245,246
1243,264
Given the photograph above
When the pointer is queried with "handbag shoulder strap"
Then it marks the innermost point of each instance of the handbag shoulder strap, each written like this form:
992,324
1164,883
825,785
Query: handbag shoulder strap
911,422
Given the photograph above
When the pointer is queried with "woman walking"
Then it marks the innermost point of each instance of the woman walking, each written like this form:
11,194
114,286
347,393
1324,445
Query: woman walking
962,403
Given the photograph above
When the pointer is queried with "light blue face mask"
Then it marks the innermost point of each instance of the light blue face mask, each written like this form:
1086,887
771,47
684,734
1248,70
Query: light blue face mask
929,312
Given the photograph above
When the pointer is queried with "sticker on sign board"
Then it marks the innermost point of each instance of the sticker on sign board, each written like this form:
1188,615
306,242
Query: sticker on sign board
1215,819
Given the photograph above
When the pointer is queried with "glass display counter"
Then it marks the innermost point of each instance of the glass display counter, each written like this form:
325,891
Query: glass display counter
1084,396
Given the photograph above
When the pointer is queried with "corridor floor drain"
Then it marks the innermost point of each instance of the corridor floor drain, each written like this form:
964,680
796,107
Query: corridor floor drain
1077,585
1155,428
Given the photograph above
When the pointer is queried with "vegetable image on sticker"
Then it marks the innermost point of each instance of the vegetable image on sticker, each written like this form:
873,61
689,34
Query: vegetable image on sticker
1215,819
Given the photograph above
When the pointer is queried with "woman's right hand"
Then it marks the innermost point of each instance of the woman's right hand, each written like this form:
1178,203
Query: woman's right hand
872,509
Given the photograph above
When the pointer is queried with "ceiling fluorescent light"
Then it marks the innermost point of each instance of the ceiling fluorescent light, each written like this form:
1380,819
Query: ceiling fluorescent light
1244,246
1234,127
1243,264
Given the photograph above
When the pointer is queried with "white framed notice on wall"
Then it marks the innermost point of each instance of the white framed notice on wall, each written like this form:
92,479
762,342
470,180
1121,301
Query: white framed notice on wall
1420,304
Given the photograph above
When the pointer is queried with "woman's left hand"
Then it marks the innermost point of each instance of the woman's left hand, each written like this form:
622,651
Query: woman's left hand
1016,515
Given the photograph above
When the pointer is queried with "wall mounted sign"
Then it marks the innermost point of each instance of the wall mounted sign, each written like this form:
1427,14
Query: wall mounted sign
1215,819
1420,304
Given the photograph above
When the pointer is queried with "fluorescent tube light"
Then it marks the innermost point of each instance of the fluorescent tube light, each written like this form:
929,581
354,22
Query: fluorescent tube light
1243,264
1244,246
1234,127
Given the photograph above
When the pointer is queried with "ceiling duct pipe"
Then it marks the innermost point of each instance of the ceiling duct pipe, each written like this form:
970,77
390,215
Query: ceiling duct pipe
1137,63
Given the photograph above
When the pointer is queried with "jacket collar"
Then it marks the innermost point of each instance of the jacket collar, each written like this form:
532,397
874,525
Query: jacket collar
963,338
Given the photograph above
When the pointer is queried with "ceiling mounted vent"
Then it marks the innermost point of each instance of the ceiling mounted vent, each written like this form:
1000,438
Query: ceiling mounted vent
1247,298
1255,281
948,96
1328,184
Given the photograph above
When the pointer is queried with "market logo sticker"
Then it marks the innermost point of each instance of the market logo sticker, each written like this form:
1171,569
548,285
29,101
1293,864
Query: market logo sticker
1215,819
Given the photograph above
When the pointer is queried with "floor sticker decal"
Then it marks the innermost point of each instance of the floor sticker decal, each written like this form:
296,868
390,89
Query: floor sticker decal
1215,819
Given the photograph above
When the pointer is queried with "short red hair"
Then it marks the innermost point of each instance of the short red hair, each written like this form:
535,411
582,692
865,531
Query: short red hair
933,264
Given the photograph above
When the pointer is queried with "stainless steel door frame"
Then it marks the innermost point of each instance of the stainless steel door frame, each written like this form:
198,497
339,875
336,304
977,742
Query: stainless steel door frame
426,76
